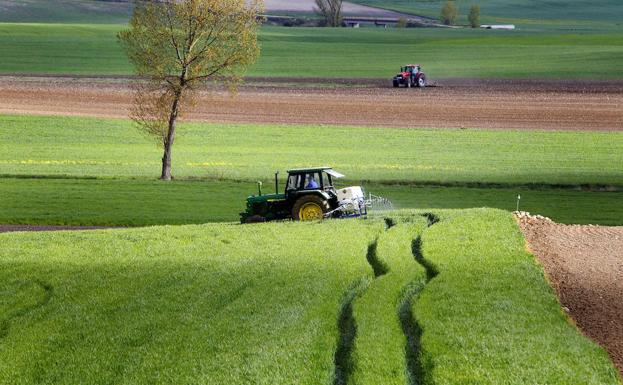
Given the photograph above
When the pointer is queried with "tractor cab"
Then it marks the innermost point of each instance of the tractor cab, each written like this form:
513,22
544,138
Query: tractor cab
410,69
309,194
306,180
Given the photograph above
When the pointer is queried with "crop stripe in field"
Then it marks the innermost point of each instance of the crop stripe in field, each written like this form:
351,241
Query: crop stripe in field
5,324
416,366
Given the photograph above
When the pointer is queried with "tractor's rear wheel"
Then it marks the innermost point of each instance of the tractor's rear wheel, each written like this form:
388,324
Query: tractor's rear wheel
421,82
309,208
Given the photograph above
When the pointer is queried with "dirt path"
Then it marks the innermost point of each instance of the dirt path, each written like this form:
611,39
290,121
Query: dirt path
453,104
585,266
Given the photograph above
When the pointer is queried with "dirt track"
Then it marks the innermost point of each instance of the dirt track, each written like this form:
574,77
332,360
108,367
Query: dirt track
585,266
459,103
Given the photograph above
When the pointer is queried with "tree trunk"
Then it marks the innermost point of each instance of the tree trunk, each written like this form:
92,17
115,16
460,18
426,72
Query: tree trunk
168,142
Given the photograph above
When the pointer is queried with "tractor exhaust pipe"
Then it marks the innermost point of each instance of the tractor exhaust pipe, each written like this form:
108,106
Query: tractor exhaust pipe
277,182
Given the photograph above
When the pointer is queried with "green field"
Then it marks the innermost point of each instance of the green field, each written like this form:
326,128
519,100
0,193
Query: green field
59,170
326,52
89,147
113,202
286,303
217,304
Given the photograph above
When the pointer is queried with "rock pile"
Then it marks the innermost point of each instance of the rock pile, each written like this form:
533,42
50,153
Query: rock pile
525,217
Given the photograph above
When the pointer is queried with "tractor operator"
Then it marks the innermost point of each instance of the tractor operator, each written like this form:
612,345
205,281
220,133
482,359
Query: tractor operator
414,72
312,184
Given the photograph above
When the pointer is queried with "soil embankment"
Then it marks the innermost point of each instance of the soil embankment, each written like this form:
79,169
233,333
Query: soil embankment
584,264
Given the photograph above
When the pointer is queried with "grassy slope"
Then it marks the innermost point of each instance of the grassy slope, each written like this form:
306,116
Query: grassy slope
326,52
213,304
258,304
40,146
486,274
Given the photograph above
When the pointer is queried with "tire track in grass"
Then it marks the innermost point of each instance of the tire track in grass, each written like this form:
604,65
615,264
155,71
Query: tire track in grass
48,290
416,366
347,326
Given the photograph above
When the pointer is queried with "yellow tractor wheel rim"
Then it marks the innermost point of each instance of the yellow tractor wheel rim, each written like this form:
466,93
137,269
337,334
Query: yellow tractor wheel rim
310,212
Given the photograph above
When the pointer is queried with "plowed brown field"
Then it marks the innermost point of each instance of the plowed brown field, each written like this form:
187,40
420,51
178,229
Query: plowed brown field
585,266
565,105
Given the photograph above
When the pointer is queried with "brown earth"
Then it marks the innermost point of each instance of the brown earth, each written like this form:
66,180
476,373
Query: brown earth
453,103
584,264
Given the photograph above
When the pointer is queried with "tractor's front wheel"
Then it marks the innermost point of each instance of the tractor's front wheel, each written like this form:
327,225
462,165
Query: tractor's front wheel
309,208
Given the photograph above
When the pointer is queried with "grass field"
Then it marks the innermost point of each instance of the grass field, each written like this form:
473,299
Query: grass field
94,171
144,202
86,147
215,304
269,304
327,52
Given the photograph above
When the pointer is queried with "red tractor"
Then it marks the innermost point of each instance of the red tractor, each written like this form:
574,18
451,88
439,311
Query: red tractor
410,75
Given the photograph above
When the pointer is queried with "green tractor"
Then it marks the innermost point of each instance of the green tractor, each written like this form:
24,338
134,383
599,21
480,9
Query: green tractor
309,195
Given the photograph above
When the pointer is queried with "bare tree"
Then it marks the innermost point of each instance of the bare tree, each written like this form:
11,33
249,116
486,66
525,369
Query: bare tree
474,16
177,45
449,13
331,10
